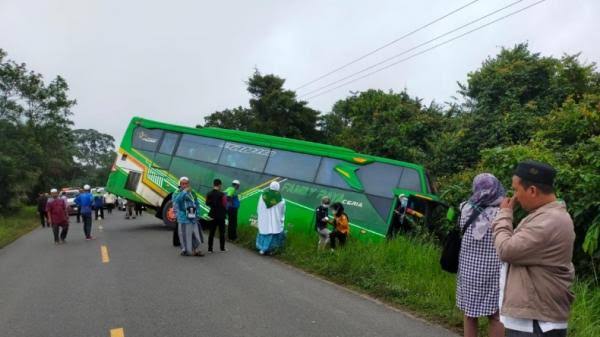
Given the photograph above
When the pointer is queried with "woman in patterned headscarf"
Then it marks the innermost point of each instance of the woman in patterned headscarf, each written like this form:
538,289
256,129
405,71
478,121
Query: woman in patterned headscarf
477,291
271,216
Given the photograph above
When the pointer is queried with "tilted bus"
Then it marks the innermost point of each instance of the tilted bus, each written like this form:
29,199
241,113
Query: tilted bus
153,155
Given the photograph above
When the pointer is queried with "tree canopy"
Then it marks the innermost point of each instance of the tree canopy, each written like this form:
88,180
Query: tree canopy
38,148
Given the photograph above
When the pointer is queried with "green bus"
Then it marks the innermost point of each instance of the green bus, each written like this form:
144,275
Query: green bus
153,155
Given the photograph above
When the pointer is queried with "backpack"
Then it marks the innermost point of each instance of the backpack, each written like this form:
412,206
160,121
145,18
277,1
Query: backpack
451,249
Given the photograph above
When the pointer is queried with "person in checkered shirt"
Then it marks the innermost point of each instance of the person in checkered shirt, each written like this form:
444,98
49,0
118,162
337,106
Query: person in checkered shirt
478,277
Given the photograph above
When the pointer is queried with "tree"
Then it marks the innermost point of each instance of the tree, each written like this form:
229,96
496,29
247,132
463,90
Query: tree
509,94
273,110
36,148
95,156
392,125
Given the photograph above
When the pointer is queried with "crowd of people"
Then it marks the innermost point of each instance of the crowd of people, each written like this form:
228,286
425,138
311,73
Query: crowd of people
519,278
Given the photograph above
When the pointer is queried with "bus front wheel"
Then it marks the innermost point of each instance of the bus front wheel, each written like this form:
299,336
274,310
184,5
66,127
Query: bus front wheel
168,214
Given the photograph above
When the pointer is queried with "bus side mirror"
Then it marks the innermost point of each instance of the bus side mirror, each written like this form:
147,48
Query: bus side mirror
451,214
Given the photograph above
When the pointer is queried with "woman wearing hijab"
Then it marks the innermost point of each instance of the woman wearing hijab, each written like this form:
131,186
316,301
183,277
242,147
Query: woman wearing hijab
271,215
478,290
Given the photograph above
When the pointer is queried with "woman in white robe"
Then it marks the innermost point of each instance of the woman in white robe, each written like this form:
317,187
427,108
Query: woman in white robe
271,216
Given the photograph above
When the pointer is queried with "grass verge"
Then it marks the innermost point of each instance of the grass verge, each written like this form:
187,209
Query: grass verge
406,273
16,225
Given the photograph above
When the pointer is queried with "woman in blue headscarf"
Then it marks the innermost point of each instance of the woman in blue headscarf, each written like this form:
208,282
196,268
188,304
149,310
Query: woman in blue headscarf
477,286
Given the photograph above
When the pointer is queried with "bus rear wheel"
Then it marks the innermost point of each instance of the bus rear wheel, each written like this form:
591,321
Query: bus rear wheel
168,215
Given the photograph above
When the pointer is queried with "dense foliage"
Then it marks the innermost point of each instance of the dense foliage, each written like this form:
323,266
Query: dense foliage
38,148
518,105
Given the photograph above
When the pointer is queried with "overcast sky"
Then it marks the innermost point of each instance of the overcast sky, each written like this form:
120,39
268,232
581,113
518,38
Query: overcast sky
178,61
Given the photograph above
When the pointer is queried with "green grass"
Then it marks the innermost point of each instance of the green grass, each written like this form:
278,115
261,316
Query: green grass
406,273
18,224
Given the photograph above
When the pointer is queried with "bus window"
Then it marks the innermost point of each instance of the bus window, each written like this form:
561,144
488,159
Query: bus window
328,176
146,139
379,179
168,143
200,148
292,165
244,156
410,180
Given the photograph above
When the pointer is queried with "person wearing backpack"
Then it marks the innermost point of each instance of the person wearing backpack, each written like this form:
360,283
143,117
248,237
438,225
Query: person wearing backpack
85,202
478,277
341,226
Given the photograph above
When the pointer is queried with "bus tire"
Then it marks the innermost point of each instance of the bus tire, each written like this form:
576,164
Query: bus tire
168,215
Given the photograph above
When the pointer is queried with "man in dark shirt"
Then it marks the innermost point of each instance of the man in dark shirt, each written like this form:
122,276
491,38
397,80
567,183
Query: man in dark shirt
217,202
41,208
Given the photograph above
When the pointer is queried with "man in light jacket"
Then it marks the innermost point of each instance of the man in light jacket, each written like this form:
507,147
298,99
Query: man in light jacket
535,295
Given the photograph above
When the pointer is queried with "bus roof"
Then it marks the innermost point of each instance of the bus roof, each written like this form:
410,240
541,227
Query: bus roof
281,143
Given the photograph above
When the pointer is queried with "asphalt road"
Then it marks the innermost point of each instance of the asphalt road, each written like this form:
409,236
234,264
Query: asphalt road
146,289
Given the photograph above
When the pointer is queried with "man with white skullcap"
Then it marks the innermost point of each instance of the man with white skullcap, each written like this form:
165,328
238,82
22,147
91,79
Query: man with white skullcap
187,210
56,209
271,217
85,202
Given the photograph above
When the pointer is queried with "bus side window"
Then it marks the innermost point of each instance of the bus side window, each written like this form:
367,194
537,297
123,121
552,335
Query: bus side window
292,165
410,180
146,139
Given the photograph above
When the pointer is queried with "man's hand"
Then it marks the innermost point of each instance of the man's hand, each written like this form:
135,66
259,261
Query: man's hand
508,203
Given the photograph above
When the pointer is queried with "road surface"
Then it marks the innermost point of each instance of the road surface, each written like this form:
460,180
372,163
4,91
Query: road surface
131,281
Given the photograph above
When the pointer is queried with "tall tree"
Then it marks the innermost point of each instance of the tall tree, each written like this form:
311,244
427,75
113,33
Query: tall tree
273,110
36,148
387,124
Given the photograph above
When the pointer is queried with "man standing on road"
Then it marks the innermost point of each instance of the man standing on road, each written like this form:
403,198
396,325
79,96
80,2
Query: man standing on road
233,204
217,202
41,208
187,208
98,205
85,201
58,216
78,207
537,274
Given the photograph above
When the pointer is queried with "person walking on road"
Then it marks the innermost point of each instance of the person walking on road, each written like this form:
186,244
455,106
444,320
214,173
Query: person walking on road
58,216
233,205
129,206
321,222
537,273
42,199
85,202
341,228
217,202
187,209
477,280
271,217
78,207
99,205
138,209
110,201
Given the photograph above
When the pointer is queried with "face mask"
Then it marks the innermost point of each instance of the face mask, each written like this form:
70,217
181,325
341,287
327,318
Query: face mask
325,205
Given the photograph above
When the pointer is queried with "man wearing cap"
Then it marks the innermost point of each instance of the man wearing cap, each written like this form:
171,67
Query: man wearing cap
85,202
187,209
271,217
535,281
58,216
233,204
